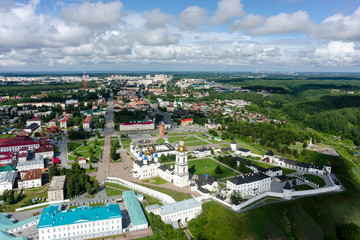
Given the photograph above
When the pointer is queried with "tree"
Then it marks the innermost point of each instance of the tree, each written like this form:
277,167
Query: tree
85,143
304,145
96,185
53,171
348,231
88,188
218,169
8,196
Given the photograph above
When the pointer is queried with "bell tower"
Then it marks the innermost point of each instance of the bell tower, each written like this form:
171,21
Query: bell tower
181,173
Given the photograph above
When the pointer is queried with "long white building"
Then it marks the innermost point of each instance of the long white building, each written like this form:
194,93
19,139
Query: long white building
249,184
174,213
80,223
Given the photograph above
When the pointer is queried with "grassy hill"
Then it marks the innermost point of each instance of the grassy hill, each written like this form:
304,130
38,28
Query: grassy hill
314,217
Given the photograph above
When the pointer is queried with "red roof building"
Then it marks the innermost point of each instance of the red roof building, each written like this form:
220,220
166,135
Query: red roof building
187,121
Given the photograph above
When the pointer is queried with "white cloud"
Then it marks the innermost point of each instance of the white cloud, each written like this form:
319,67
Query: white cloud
93,13
339,27
192,17
153,37
156,18
227,10
248,22
336,53
283,23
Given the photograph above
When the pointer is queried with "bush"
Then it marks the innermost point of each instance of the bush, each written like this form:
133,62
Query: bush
348,231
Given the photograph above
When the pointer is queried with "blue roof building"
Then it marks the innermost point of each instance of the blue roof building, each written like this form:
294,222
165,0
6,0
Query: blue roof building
8,226
81,222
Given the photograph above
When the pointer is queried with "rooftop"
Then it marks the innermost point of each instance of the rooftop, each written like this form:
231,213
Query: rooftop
253,177
7,168
179,206
32,174
53,216
57,183
134,208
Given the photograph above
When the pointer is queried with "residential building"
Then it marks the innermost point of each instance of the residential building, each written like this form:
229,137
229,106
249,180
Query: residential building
37,163
187,121
87,122
64,122
15,144
7,180
202,152
80,223
32,178
36,120
249,184
56,189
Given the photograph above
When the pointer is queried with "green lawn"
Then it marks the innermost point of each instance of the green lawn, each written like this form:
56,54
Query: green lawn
85,148
174,139
302,187
264,165
214,141
178,196
126,146
27,195
112,192
199,167
191,139
202,136
151,200
155,180
96,204
160,140
177,134
315,179
73,145
86,154
125,141
287,171
99,143
198,143
87,170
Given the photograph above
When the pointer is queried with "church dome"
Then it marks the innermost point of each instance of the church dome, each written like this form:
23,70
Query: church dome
181,148
148,151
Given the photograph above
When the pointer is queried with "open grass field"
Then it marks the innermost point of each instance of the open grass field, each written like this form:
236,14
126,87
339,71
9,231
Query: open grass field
112,192
155,180
264,165
315,179
287,171
178,196
199,167
85,148
197,143
99,143
26,195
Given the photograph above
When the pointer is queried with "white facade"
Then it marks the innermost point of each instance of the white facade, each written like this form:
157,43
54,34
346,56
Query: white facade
7,180
16,148
30,183
250,184
30,165
148,166
137,126
182,211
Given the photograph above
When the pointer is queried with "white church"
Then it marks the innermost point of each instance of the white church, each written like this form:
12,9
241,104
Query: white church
148,164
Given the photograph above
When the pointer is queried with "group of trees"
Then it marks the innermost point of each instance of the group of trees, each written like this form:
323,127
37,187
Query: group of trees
235,198
165,231
125,116
78,134
8,196
77,181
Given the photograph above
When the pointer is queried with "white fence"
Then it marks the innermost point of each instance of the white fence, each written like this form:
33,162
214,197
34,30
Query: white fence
162,196
280,195
40,205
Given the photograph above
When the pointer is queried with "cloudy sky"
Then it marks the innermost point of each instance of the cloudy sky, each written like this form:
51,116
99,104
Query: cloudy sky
186,35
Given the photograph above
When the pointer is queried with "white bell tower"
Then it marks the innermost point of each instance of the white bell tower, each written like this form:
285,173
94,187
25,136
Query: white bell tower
181,173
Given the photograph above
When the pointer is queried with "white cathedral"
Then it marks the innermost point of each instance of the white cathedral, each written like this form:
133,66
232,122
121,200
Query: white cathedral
148,164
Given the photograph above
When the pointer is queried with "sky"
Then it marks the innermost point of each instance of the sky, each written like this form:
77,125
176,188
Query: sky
186,35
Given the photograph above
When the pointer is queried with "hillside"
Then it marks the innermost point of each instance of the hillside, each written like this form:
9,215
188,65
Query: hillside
313,217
